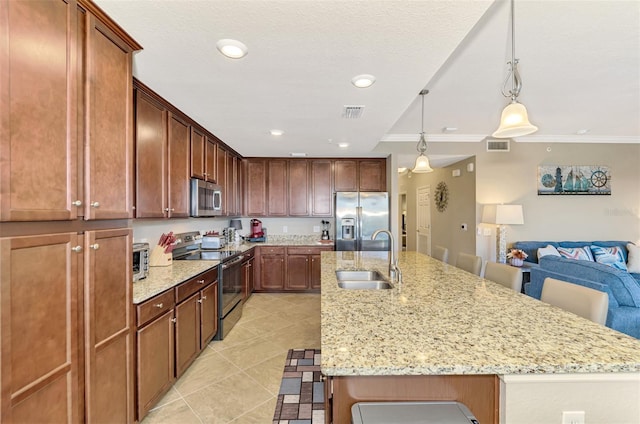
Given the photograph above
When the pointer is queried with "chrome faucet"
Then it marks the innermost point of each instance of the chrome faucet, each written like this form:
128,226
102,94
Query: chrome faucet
394,272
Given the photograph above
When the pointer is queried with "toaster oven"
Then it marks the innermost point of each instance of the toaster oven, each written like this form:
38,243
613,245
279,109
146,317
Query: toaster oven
140,261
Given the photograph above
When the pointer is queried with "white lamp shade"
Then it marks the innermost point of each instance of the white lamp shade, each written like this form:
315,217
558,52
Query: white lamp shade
422,165
503,214
514,122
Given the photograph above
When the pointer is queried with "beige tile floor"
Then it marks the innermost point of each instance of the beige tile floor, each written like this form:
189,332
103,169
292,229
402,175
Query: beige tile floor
236,380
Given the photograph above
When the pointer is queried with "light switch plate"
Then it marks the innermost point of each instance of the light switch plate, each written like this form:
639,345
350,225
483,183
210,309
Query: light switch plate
573,417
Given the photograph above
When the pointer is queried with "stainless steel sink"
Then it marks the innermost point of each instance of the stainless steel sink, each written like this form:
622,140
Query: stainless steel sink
364,285
362,280
359,275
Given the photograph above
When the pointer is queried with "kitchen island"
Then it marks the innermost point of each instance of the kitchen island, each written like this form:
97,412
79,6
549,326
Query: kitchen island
445,334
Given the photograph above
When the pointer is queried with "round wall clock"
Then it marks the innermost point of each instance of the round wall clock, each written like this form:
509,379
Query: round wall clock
441,196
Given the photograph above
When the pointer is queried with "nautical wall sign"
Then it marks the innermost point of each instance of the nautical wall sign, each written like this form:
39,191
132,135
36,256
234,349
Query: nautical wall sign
574,179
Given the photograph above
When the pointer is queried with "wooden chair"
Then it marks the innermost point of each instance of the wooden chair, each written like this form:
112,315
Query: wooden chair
440,253
504,274
469,263
584,301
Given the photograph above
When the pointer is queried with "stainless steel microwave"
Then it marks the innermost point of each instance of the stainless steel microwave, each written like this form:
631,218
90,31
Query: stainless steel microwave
206,198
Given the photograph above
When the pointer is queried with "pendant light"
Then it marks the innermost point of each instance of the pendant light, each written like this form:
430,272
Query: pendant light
514,121
422,161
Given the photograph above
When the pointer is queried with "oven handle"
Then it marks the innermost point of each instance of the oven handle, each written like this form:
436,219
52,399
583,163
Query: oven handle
233,262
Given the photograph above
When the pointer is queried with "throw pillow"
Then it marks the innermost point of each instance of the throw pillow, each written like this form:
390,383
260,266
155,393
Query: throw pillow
578,253
549,250
633,264
611,256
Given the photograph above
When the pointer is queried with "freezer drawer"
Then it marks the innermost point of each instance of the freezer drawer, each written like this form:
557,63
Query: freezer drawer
436,412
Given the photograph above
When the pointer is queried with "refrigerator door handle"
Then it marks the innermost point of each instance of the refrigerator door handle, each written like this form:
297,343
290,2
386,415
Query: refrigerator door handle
359,227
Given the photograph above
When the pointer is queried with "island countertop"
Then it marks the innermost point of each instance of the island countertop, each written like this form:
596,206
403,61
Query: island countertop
445,321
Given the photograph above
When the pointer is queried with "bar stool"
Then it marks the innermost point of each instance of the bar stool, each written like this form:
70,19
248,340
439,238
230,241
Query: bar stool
469,263
440,253
507,275
584,301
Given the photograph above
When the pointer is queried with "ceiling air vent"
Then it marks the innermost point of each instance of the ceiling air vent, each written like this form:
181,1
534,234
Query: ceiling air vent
498,144
352,111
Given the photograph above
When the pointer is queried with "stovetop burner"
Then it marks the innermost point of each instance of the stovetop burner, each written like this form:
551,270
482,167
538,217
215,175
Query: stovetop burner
208,255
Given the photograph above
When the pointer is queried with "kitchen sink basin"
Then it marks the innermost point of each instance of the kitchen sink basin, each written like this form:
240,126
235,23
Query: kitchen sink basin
362,280
364,285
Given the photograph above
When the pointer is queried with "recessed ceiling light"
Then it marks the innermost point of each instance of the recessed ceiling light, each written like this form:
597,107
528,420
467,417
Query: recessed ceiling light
582,132
343,145
297,155
449,129
277,132
363,81
233,49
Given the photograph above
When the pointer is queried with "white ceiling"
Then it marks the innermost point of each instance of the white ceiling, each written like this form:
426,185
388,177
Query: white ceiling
579,62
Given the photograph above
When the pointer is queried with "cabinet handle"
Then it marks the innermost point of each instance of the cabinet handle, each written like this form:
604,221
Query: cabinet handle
169,209
77,203
174,320
199,300
159,305
200,281
77,249
204,297
94,246
95,204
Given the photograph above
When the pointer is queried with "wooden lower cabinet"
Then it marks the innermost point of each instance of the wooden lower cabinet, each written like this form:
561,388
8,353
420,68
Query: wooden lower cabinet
271,268
248,275
173,328
480,393
288,268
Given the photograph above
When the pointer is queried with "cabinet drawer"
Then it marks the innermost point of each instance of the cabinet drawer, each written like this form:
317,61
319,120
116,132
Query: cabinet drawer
272,250
308,250
198,282
154,307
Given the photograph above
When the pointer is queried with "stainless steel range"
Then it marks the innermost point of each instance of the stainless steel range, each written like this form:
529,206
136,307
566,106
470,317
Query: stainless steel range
229,277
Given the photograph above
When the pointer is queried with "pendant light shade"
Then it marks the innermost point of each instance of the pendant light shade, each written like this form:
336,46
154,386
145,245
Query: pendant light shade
422,161
514,121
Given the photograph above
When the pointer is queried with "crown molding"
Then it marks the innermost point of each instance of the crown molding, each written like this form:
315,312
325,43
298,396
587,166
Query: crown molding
475,138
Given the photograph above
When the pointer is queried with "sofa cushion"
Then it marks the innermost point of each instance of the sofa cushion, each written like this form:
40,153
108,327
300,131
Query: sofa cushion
633,263
611,256
579,253
623,286
531,247
548,250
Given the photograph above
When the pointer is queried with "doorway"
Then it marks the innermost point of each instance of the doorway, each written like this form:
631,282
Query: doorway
402,220
423,215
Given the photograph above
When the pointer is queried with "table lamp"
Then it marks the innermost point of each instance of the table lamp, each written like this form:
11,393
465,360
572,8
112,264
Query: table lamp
502,215
235,223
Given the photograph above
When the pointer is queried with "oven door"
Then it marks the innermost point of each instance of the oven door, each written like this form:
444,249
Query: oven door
231,284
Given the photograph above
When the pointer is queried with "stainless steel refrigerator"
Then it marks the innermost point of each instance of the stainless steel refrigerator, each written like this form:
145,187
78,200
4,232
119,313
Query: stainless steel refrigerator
358,216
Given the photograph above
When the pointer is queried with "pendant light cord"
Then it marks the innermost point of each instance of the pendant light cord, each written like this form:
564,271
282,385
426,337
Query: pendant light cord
422,143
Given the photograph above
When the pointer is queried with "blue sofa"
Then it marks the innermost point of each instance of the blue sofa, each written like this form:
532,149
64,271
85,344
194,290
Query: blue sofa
622,287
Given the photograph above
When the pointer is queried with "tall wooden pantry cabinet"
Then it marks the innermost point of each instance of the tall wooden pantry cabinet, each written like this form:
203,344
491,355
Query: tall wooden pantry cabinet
66,162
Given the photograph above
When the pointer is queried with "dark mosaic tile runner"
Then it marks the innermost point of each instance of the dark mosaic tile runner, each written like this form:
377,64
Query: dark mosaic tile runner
301,396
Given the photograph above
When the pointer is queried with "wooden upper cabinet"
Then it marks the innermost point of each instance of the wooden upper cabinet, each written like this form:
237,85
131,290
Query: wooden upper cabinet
277,187
151,157
38,111
299,193
108,177
373,175
198,154
321,188
221,172
232,185
210,159
255,187
178,168
39,305
346,175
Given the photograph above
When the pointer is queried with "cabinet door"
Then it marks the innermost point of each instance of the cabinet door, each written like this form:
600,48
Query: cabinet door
232,182
297,272
155,363
38,138
346,175
151,157
178,170
210,160
108,326
315,275
208,314
321,188
197,154
298,188
221,178
373,175
108,177
277,187
187,333
256,187
272,272
39,321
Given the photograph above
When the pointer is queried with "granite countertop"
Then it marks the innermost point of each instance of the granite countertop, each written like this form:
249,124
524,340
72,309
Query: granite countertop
443,320
164,277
